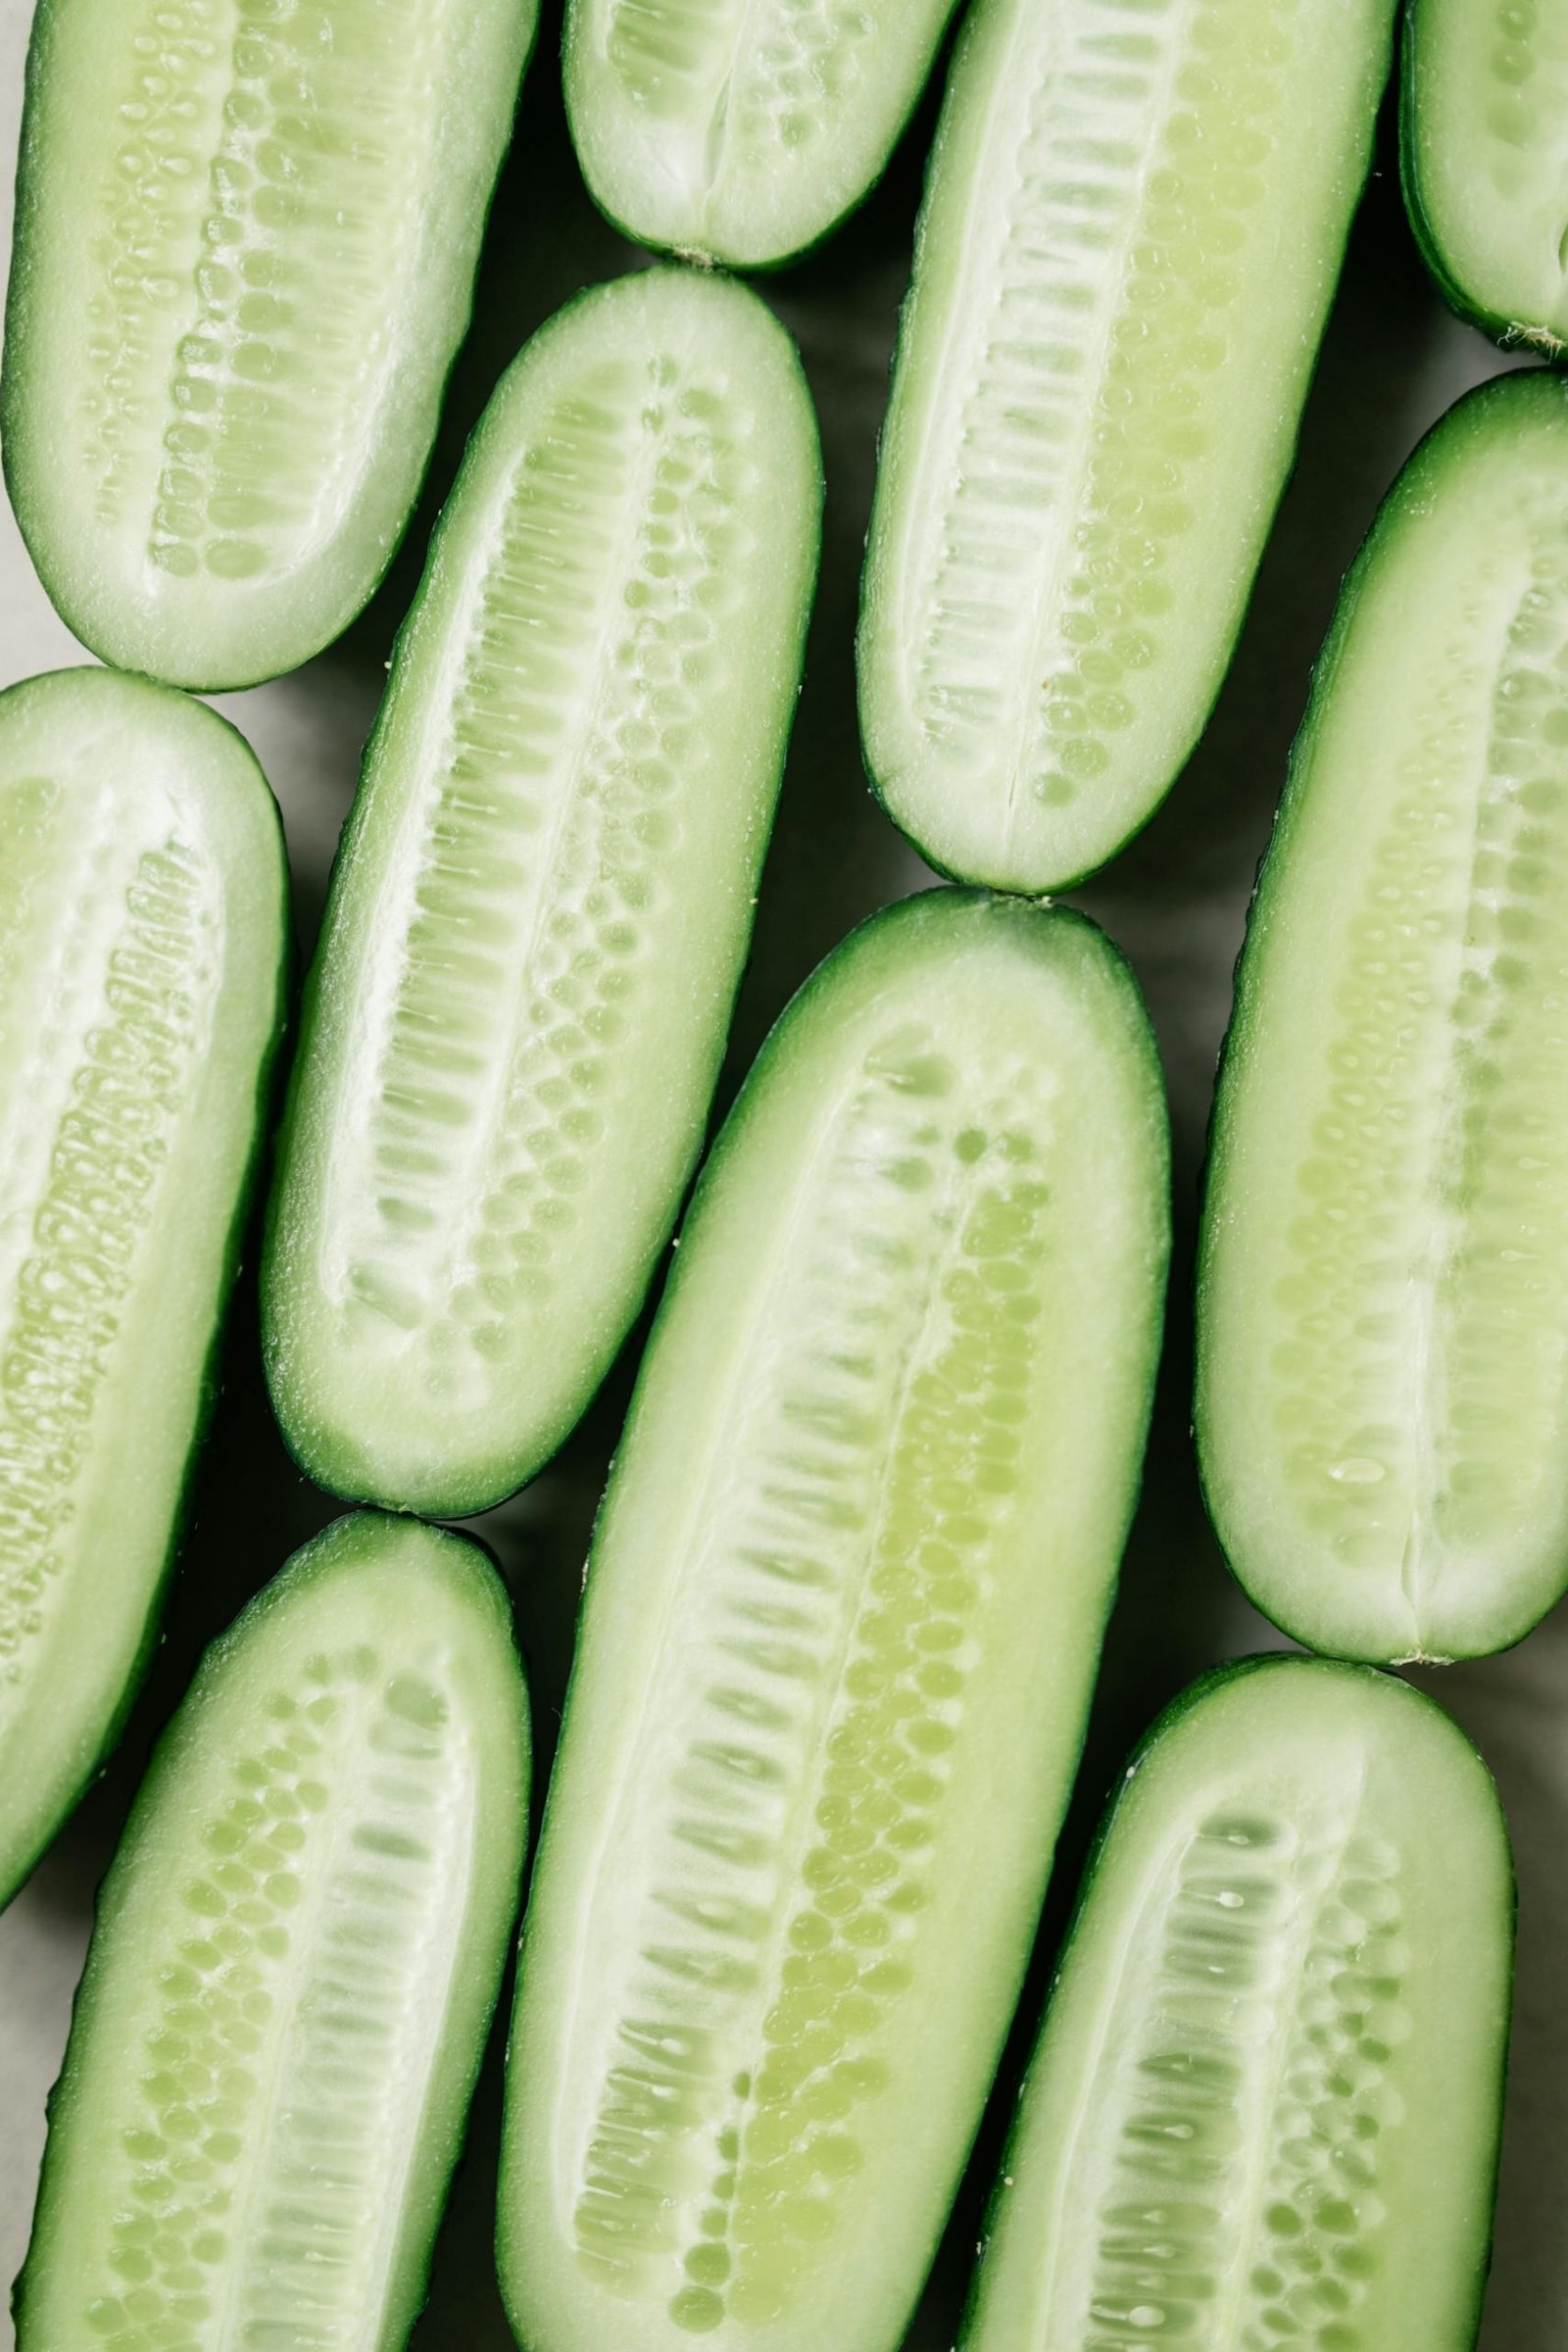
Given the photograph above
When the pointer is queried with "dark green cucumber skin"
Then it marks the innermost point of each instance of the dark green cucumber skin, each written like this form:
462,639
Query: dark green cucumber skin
728,1141
29,171
300,1568
468,1504
1216,1677
1509,333
966,33
825,236
211,1378
1501,391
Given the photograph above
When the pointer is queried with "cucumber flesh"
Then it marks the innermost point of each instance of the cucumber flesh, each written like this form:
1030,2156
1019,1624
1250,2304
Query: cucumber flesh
246,238
842,1622
1482,97
1382,1300
142,945
296,1957
1133,224
741,131
539,918
1265,2105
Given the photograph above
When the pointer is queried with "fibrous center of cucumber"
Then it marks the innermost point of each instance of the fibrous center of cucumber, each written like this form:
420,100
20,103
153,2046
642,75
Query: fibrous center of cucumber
281,2062
1102,271
742,78
555,816
93,1093
1229,2160
260,198
759,1902
1419,1389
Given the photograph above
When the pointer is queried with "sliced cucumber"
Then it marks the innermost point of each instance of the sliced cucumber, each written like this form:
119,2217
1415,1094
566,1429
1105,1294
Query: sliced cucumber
1382,1300
246,238
294,1964
142,941
1483,91
1130,238
742,130
1265,2105
842,1622
542,907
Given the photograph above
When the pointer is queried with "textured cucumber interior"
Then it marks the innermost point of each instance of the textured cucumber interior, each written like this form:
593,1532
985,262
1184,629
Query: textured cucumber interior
843,1615
540,915
297,1953
1383,1406
1130,238
1482,96
141,950
246,238
1264,2109
742,130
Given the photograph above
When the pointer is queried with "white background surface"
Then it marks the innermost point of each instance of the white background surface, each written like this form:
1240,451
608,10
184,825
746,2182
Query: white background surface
1393,362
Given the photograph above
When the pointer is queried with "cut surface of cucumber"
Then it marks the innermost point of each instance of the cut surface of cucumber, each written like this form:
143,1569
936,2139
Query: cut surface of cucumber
1383,1295
142,947
246,238
1481,99
842,1621
1266,2104
295,1960
541,910
1131,234
742,130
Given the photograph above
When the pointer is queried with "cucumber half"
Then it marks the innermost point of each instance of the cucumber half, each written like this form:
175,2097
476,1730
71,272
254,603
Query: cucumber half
842,1622
246,238
542,907
1131,228
742,130
295,1960
1481,104
143,927
1265,2105
1382,1295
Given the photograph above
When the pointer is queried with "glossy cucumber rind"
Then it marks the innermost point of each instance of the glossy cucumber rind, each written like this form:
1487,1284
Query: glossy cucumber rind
358,1392
1483,477
1023,711
604,127
363,1578
84,703
970,974
1426,163
220,631
1468,1960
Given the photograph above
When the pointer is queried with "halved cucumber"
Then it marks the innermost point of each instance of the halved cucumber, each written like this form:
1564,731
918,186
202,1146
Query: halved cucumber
542,905
295,1960
1382,1295
742,130
842,1622
143,942
246,237
1266,2104
1483,92
1129,242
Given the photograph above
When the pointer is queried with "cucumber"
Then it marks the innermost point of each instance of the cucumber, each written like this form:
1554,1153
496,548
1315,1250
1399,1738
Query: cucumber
1132,228
296,1958
741,131
1383,1298
246,238
842,1621
541,910
1481,95
143,927
1266,2104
